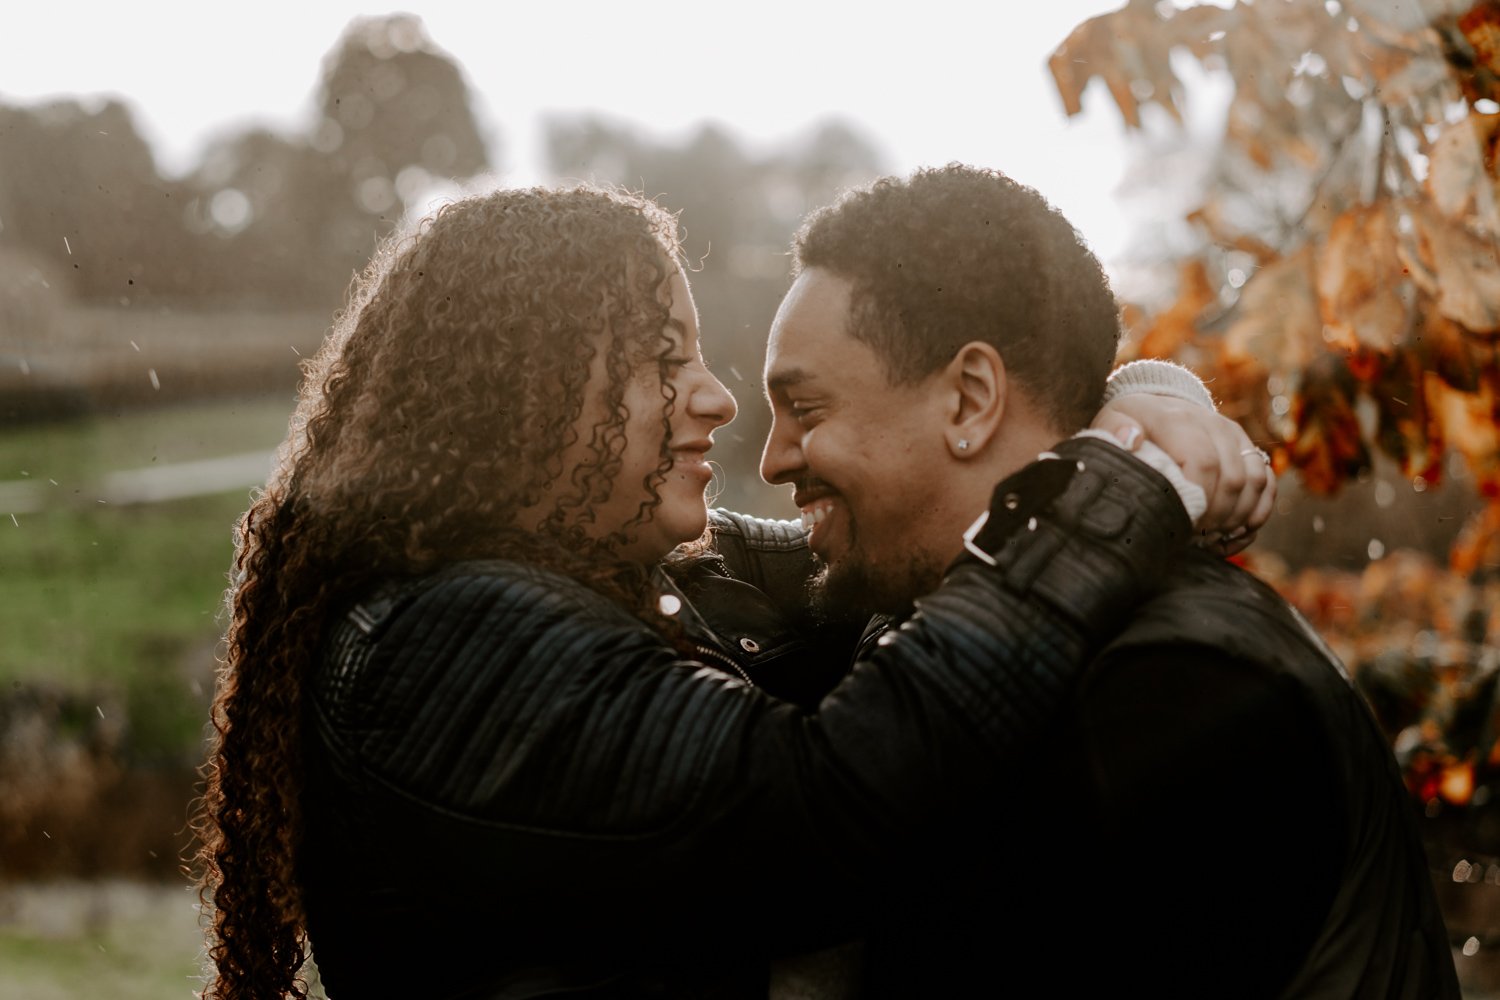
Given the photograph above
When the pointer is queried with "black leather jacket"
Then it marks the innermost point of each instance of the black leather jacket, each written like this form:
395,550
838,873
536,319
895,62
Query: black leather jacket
744,607
515,788
1213,813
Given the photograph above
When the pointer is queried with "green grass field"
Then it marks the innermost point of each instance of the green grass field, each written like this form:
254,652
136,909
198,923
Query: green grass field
125,940
124,601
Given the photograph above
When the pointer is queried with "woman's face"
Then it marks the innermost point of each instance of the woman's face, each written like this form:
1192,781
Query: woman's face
702,404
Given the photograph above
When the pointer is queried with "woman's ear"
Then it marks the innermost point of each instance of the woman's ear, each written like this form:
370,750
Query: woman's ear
976,382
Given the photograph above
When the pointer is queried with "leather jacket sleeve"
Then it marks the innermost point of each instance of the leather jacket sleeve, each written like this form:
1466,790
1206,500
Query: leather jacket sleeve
508,716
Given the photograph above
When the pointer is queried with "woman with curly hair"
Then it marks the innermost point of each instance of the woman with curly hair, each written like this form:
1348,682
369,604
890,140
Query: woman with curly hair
467,745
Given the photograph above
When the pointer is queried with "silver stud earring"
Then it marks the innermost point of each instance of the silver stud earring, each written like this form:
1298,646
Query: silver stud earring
963,444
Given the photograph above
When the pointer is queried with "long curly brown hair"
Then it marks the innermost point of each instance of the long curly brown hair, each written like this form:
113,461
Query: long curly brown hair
434,417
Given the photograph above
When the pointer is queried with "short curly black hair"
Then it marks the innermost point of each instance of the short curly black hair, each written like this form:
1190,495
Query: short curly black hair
960,253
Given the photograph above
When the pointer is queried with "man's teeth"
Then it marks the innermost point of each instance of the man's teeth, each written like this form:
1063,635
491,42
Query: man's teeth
815,513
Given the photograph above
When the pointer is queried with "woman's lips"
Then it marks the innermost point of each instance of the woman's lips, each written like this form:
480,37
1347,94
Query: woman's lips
692,460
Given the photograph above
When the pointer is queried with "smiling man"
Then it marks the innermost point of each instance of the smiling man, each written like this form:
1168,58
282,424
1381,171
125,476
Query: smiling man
1216,812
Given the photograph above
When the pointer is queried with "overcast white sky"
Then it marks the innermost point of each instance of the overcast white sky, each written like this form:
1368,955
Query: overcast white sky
929,82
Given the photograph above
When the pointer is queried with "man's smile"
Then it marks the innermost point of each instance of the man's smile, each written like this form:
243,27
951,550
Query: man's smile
818,508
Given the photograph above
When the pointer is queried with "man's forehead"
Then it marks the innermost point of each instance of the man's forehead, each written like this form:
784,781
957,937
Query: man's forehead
812,320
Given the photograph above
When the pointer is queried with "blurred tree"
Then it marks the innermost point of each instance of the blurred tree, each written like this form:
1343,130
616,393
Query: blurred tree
394,114
255,202
79,189
1343,292
264,218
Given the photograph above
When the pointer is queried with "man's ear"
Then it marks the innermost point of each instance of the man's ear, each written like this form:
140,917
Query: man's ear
978,392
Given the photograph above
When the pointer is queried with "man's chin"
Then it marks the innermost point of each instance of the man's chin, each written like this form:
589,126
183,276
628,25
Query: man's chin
852,588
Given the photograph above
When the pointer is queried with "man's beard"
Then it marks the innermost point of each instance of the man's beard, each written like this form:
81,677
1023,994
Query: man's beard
859,585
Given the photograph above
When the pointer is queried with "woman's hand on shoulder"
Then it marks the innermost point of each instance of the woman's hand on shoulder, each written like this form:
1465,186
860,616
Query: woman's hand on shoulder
1214,452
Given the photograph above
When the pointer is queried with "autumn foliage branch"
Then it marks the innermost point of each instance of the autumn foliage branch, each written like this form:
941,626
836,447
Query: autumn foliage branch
1345,296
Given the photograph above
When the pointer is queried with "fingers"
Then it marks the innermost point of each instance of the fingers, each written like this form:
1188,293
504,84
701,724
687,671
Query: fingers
1233,547
1123,428
1267,502
1214,452
1250,487
1251,510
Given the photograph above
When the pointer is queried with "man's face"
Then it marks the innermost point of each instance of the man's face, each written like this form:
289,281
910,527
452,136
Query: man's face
866,458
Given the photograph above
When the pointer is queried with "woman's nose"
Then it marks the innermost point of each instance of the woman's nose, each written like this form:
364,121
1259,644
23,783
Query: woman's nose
713,402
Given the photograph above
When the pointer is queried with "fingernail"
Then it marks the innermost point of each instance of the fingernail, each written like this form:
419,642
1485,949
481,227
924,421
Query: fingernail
1127,437
1237,533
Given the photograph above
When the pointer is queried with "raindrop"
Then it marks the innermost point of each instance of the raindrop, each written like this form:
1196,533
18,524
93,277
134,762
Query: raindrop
14,521
405,35
67,246
1376,548
136,346
25,368
669,604
1385,494
411,183
376,194
155,382
99,710
1471,947
1318,524
1419,484
46,834
230,210
1280,405
1236,277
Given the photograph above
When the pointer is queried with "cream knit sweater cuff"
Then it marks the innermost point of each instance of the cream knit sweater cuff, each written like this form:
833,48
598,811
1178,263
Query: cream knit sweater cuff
1160,378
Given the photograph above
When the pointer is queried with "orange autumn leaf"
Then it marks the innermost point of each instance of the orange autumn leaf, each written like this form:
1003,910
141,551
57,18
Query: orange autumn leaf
1449,352
1088,52
1463,178
1130,50
1328,447
1471,425
1213,217
1406,428
1457,783
1277,323
1461,270
1478,544
1404,68
1481,27
1175,325
1359,281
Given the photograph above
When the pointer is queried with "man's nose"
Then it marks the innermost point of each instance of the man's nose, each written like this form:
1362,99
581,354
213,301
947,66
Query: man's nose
781,461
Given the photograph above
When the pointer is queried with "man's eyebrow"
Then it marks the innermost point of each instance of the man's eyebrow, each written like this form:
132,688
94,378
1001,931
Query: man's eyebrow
787,378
